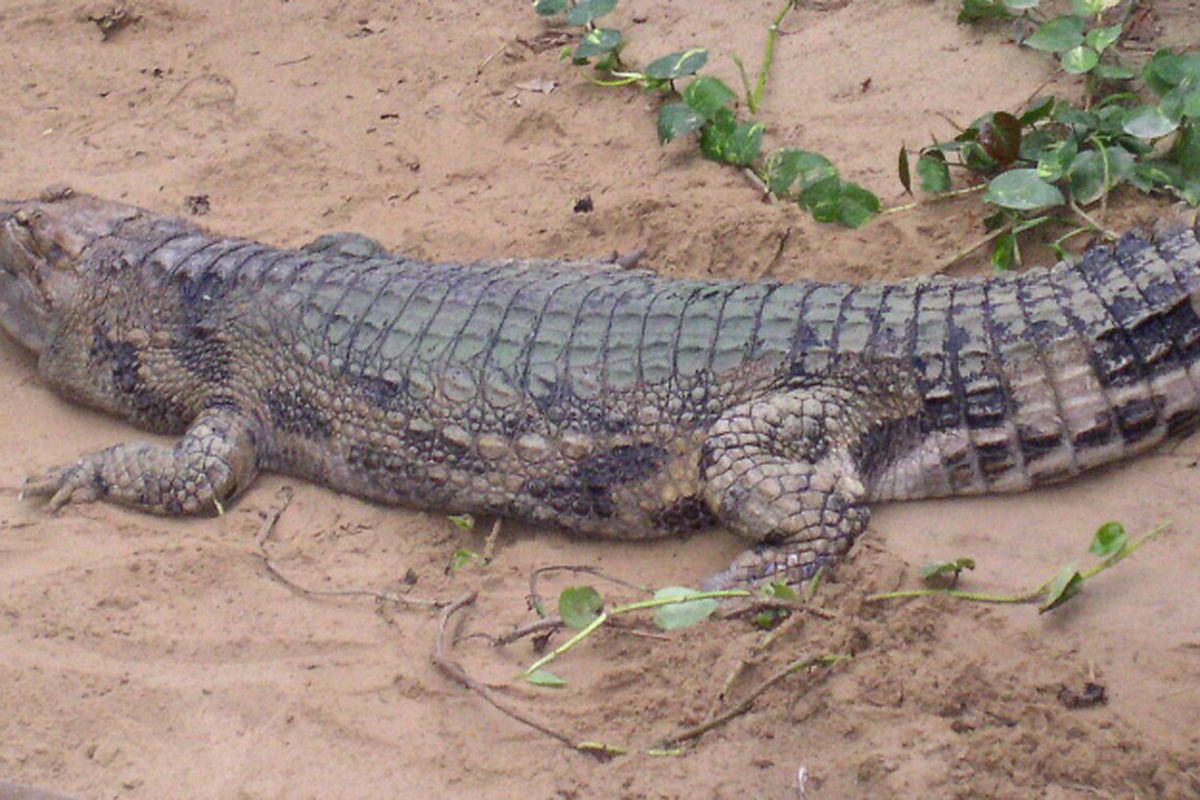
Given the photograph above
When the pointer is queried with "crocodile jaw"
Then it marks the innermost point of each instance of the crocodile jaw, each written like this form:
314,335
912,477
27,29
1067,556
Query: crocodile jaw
24,306
42,243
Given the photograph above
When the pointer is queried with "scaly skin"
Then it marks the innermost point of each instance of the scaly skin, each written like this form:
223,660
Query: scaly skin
583,394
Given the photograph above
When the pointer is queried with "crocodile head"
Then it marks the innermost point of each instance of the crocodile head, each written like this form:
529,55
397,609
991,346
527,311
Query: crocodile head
42,243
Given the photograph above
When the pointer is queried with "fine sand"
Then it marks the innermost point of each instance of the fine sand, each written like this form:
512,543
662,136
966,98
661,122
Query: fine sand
151,658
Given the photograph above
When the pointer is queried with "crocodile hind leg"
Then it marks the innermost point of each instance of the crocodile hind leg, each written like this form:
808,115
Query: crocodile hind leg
786,471
214,461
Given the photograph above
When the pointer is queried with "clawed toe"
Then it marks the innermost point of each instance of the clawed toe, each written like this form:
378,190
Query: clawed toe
69,484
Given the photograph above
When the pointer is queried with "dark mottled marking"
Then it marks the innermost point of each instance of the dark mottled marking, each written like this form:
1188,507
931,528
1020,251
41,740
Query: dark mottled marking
225,402
1171,329
199,291
995,458
876,449
686,514
621,464
147,405
99,485
384,394
292,412
587,490
941,413
985,406
960,469
1036,444
204,355
1183,422
1099,433
1138,417
420,448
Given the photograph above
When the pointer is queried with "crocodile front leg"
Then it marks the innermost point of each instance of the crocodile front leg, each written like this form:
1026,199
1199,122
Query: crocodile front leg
786,471
214,461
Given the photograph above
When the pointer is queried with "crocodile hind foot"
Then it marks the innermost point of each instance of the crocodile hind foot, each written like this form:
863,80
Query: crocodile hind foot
212,463
788,471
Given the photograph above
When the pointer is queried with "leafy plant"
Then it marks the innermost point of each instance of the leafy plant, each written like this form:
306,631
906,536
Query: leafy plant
1055,156
1110,544
709,109
582,609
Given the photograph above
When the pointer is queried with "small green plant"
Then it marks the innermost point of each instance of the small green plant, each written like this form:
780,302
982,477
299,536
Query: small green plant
581,609
709,109
1055,156
1110,544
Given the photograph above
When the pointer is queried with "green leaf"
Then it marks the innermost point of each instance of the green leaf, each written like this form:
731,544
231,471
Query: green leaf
681,615
461,557
1022,190
902,169
994,222
1092,8
728,141
978,10
585,11
822,198
1086,175
1185,152
1079,60
745,144
1056,160
780,591
1150,175
1147,122
1100,39
464,521
833,200
769,619
1038,111
976,158
1065,585
856,205
579,606
1164,71
706,94
1000,136
716,134
1058,34
1190,105
1110,539
544,677
1081,122
676,119
784,166
934,173
677,65
940,569
1112,72
1019,6
548,8
1004,252
597,42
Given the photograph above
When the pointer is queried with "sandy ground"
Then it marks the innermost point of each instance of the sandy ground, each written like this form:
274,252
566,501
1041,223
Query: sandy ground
149,658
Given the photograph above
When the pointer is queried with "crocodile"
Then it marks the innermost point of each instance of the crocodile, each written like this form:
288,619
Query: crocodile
584,394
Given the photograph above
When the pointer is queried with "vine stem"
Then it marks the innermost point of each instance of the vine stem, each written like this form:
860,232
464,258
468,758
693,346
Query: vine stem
639,605
1030,596
754,99
935,198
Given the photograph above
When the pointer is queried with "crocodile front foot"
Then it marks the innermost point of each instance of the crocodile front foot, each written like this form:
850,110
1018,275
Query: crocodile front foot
212,463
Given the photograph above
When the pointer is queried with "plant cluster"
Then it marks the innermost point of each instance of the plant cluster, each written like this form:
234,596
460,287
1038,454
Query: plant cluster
708,108
1047,162
1056,154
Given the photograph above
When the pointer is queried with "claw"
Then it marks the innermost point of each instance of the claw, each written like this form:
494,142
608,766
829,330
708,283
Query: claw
66,484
